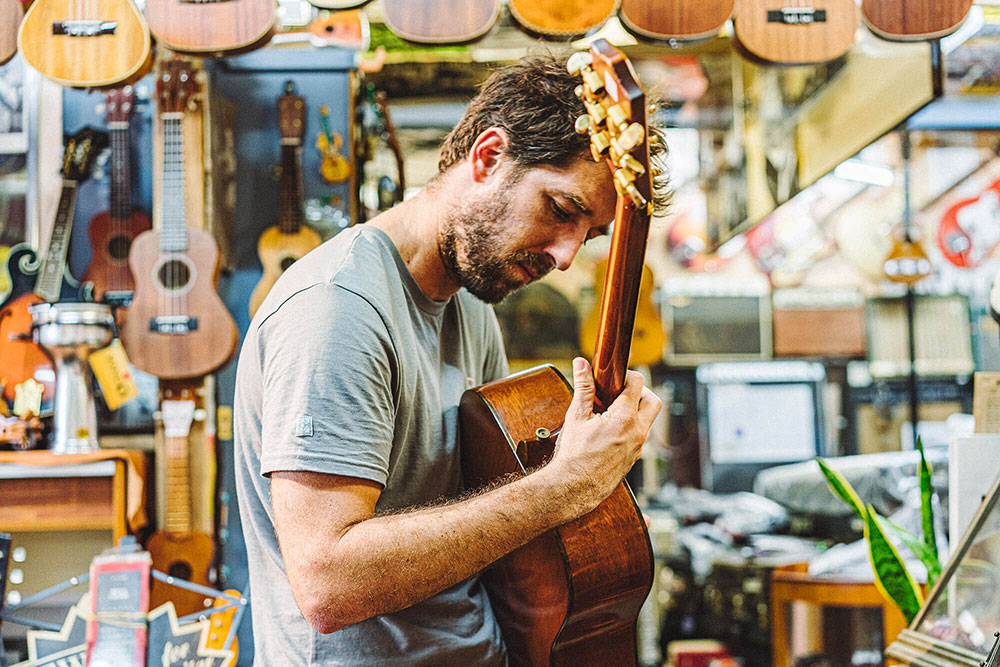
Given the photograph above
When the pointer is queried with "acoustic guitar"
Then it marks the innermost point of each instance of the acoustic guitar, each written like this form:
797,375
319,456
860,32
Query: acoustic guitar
572,595
911,20
111,232
799,33
440,21
37,280
86,44
177,326
280,246
11,12
221,26
675,19
561,19
177,548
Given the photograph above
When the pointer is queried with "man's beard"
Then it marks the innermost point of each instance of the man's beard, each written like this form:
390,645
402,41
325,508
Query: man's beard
471,248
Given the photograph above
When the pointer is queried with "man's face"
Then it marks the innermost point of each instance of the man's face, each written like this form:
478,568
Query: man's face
525,225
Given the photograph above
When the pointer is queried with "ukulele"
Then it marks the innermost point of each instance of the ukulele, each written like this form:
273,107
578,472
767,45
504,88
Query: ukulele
280,246
675,19
37,280
177,326
440,21
220,26
86,44
392,141
338,5
111,232
561,19
333,167
911,20
803,32
572,595
11,12
907,262
177,548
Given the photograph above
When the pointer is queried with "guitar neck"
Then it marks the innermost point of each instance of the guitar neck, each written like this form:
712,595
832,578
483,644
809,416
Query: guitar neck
121,171
173,228
50,276
178,485
290,187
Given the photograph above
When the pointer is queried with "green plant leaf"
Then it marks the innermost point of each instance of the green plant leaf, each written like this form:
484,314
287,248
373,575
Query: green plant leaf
842,488
913,543
926,504
891,577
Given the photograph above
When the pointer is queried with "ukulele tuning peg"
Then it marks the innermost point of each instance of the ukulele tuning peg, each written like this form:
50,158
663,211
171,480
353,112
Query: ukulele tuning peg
631,137
579,61
633,165
582,125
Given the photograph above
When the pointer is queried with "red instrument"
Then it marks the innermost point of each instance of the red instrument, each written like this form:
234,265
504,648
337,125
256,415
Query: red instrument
571,596
969,231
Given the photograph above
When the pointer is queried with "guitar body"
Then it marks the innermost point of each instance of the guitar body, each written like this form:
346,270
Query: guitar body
11,12
911,20
193,353
772,31
562,19
278,251
571,596
21,360
675,19
211,27
111,240
185,556
440,21
86,61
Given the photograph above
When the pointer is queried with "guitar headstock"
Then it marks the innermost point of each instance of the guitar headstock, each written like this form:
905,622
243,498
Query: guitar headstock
120,102
82,149
178,402
615,119
291,115
176,86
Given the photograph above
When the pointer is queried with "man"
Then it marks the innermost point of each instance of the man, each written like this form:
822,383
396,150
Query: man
362,550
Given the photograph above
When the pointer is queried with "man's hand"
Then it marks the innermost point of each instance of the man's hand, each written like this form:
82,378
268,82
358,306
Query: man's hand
595,451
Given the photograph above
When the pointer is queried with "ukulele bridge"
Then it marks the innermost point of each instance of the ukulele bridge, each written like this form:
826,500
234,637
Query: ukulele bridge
173,324
118,298
796,15
82,28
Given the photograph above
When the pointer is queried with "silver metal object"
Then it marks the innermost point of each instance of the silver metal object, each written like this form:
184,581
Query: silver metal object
69,332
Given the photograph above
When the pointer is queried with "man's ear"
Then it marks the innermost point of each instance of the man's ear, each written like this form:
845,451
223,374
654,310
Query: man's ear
488,153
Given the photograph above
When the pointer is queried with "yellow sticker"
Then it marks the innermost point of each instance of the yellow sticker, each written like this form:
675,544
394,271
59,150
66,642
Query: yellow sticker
224,422
111,368
28,398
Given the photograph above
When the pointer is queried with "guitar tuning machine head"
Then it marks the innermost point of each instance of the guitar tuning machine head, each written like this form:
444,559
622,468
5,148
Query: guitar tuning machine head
579,61
582,125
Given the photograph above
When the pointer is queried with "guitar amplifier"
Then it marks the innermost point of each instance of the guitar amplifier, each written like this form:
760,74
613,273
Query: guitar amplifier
942,330
812,322
716,319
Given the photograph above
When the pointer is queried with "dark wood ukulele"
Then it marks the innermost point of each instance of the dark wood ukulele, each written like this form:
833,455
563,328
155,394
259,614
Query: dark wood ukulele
798,33
571,596
282,245
177,326
111,232
675,19
911,20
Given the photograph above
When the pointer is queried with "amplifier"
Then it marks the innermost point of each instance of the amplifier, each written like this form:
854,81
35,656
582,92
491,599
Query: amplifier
942,331
812,322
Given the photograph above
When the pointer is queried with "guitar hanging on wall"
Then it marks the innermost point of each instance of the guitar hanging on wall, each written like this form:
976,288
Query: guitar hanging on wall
37,280
800,33
177,325
111,232
282,245
572,595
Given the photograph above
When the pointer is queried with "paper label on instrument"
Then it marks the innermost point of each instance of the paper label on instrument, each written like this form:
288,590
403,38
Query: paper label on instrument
28,398
111,368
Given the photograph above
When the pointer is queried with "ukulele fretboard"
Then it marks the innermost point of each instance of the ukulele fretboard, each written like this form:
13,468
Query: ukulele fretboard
173,230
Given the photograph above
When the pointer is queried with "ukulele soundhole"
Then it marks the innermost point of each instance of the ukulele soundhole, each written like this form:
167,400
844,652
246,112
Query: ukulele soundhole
118,247
174,274
286,262
180,570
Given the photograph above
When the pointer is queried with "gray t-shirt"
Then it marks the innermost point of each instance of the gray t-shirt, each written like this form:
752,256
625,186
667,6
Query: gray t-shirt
350,369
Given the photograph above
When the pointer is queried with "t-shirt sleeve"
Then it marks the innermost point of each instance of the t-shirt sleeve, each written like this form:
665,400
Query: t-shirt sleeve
495,366
328,373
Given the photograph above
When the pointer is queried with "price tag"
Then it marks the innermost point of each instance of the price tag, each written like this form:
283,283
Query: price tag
111,368
28,398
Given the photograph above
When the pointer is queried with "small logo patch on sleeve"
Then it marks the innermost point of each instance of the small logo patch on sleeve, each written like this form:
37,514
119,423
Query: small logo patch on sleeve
304,426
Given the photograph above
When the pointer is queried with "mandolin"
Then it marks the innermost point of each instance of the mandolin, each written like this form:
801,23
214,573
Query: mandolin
911,20
675,19
280,246
562,19
177,326
440,21
86,44
111,232
213,27
37,280
803,32
572,595
11,12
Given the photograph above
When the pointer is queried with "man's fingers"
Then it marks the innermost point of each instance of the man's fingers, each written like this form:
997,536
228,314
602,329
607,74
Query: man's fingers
583,388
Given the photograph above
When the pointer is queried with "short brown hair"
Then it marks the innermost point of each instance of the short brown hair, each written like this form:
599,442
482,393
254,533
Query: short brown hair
534,101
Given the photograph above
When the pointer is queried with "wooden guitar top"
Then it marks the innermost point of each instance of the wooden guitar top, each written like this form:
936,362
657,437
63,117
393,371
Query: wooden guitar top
914,19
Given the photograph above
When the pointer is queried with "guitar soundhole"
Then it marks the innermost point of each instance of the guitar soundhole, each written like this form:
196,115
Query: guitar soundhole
287,262
180,570
118,247
174,274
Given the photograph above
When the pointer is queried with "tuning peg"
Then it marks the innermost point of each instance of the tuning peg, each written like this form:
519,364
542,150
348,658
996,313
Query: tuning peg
618,115
655,172
578,61
636,197
652,108
630,163
593,80
595,153
631,137
582,125
578,91
596,112
601,141
624,177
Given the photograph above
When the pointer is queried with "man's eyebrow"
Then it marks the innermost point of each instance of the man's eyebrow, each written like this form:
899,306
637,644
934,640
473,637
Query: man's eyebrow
578,202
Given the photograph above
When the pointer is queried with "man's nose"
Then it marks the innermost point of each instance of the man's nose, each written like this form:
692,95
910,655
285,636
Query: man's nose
563,251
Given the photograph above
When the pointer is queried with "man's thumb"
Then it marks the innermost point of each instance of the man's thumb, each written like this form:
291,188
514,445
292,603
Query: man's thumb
583,387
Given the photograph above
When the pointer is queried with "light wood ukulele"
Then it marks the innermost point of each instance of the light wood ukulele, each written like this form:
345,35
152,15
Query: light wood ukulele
281,245
215,27
797,33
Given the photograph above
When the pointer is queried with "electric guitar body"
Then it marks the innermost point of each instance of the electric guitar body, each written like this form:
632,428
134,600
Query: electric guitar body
775,32
93,44
911,20
212,27
675,19
11,12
